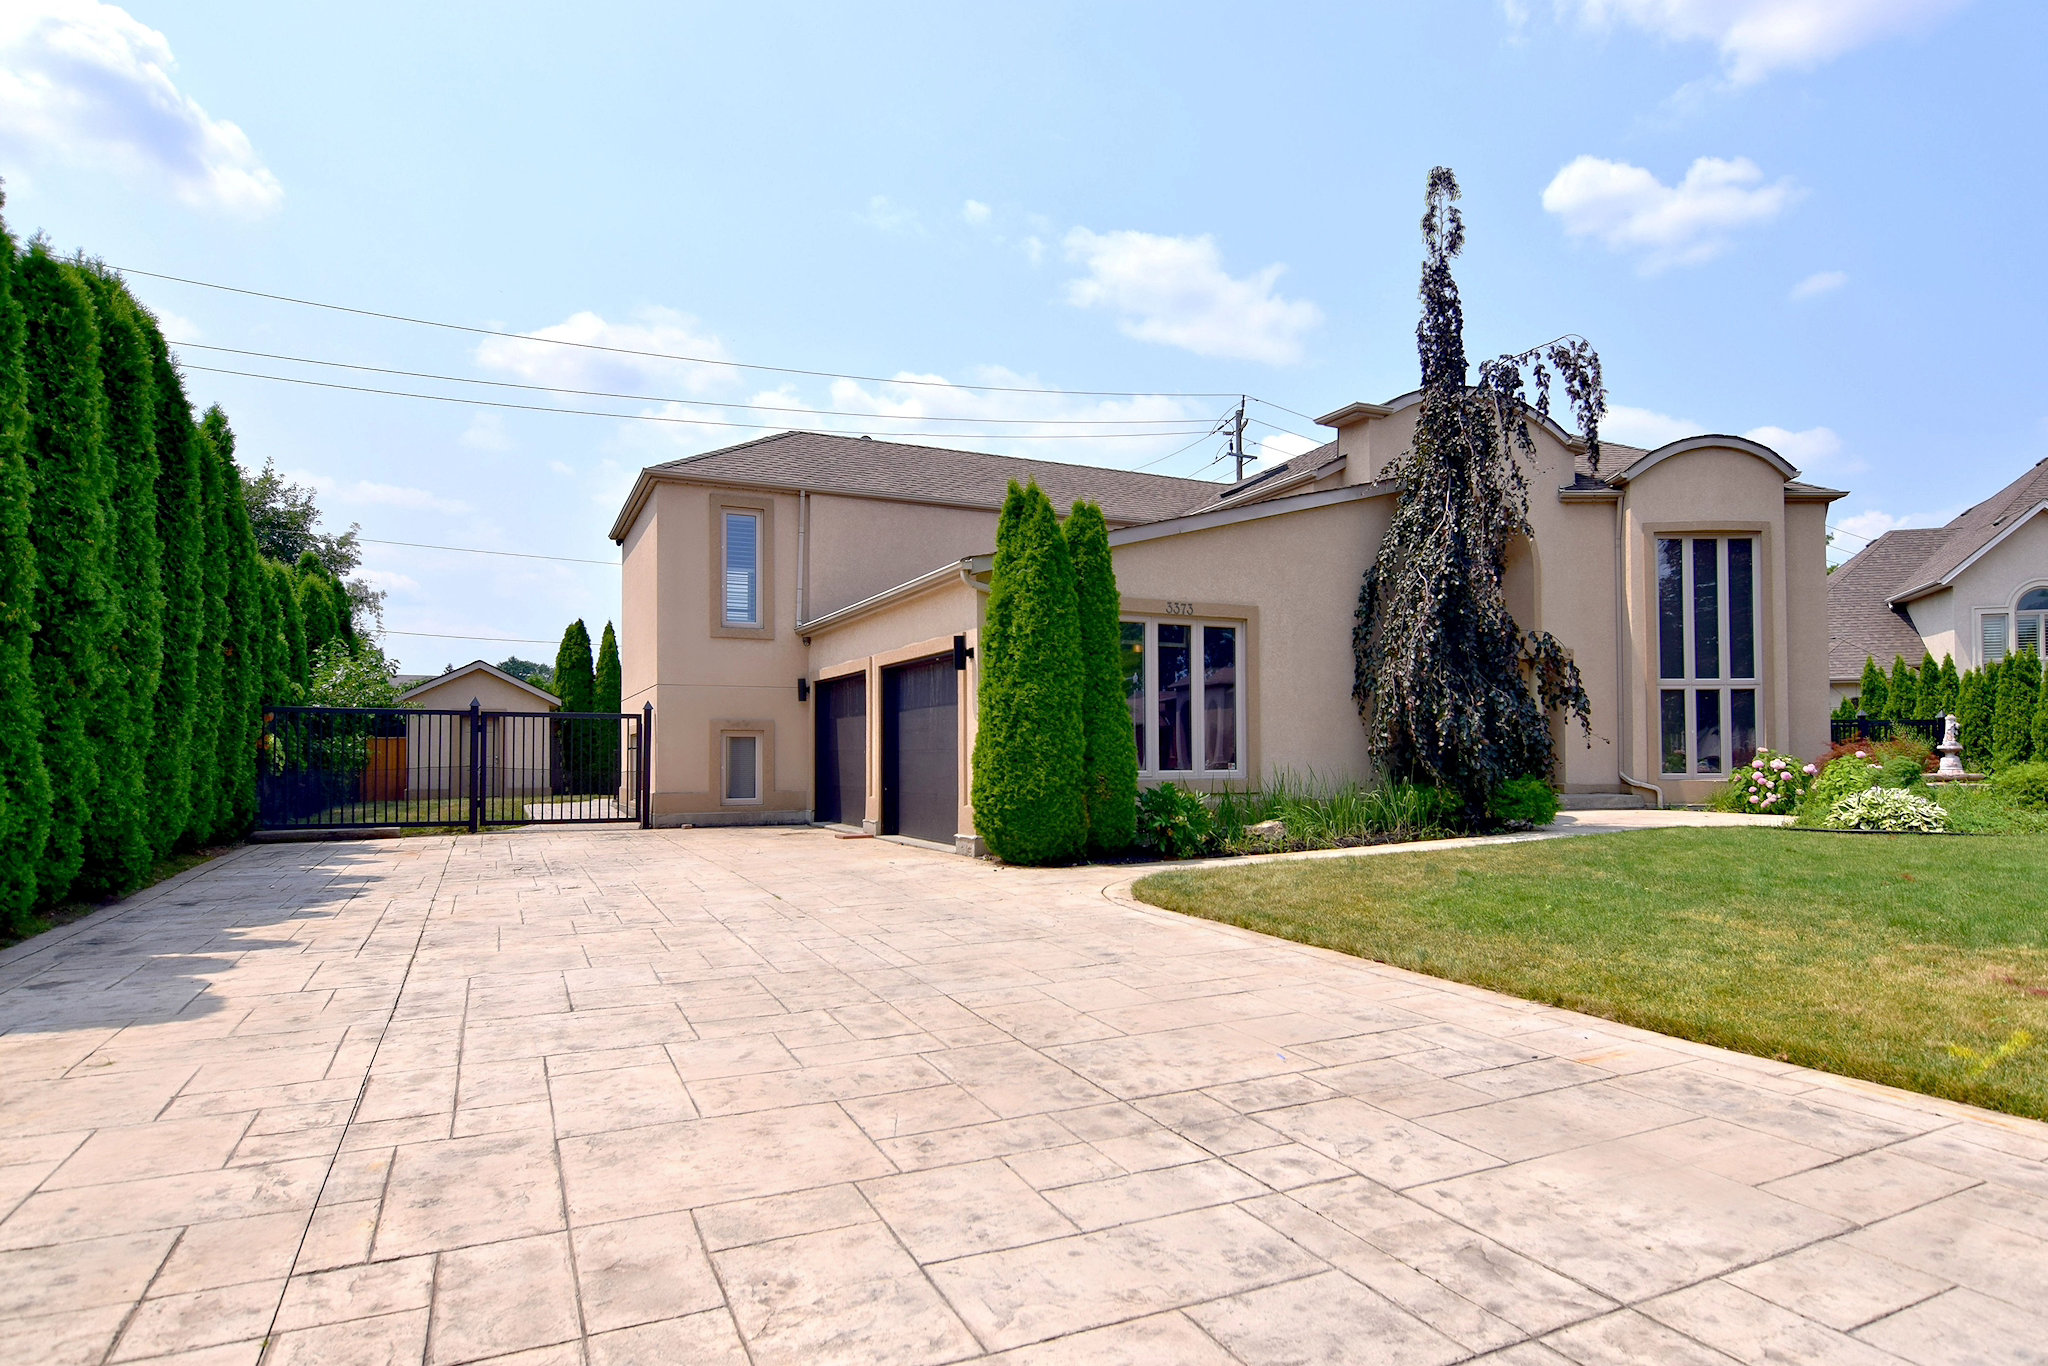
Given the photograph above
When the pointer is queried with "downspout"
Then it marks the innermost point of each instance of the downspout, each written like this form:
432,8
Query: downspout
803,551
1621,652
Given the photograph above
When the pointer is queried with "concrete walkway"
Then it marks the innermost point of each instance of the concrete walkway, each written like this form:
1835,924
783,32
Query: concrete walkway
727,1096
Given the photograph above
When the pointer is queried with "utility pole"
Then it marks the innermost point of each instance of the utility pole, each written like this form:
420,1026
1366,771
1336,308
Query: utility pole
1237,440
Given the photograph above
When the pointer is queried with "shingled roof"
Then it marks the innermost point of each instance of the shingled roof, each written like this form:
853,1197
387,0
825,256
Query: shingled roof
1862,623
1870,597
823,463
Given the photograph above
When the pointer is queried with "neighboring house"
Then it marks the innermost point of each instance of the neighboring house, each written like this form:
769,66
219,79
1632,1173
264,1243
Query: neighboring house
1976,589
802,613
519,753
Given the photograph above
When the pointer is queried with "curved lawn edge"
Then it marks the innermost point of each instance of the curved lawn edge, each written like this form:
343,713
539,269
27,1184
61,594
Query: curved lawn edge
1916,964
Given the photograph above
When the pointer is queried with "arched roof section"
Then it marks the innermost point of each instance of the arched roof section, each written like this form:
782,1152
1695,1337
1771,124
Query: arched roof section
1711,442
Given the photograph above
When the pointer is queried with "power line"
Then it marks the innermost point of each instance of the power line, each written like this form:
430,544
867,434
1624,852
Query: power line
652,355
692,402
674,421
442,635
473,550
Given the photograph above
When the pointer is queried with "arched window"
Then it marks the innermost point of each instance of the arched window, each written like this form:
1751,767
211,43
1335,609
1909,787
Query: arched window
2030,626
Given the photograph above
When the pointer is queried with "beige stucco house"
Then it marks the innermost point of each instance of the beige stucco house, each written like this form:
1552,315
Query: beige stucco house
803,612
1976,589
518,759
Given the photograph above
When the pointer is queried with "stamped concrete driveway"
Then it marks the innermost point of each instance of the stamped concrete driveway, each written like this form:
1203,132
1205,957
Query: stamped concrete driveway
706,1096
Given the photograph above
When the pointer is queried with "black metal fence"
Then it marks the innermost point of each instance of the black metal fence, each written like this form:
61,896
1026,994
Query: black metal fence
1861,727
352,767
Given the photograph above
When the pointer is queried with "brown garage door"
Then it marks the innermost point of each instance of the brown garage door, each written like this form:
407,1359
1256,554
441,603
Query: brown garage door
920,750
842,710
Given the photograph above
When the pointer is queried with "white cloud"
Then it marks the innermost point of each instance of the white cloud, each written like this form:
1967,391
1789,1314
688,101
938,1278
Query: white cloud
1862,528
886,215
1034,249
85,82
562,469
1815,450
1628,209
1822,282
1642,427
368,493
660,330
1759,37
974,211
175,327
389,581
1174,290
486,432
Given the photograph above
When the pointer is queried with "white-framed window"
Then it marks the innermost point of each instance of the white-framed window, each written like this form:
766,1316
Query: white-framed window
1187,704
2024,630
741,768
742,596
1707,655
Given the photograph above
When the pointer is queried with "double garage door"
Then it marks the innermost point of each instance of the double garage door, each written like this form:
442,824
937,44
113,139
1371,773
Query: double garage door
920,750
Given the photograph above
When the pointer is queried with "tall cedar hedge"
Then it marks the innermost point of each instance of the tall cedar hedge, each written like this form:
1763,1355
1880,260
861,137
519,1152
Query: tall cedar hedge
1903,692
119,847
1875,689
67,418
180,545
1974,703
141,632
24,783
576,685
1028,754
2019,694
2040,726
1109,749
609,688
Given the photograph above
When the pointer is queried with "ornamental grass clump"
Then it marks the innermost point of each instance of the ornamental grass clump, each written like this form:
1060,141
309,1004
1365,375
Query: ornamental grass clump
1889,809
1771,784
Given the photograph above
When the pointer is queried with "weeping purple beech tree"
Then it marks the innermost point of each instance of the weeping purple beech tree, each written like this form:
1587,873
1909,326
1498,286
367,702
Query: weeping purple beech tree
1451,690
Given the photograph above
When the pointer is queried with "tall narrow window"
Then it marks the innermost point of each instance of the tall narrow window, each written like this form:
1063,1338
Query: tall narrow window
1176,698
742,569
1133,658
1741,608
1219,697
743,768
1670,608
1706,654
1706,609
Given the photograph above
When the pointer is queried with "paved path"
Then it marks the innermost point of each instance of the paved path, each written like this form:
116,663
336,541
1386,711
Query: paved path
770,1096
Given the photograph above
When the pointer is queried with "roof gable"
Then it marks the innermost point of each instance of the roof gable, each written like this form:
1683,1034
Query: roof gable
1974,532
479,666
821,462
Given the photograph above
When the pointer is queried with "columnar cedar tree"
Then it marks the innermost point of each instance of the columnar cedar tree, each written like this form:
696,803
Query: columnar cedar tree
1974,703
2019,694
119,848
576,685
1876,690
316,604
1926,688
2040,726
209,714
609,683
241,666
180,538
1440,662
1028,753
1903,695
24,783
1109,750
1946,698
67,418
281,687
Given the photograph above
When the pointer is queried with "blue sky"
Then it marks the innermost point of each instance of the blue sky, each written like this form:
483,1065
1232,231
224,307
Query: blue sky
1808,219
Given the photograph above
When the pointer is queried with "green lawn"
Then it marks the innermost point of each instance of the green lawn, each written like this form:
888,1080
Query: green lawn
1917,961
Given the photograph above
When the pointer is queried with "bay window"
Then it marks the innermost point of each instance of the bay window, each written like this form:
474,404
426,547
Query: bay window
1186,707
1706,654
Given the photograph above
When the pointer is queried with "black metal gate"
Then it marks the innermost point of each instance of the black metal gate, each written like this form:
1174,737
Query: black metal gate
323,768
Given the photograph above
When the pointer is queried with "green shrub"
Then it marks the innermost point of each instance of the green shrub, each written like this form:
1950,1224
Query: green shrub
1890,809
1771,784
2024,785
1109,752
2012,724
1173,820
1029,803
24,782
1980,809
1523,801
1845,777
1901,771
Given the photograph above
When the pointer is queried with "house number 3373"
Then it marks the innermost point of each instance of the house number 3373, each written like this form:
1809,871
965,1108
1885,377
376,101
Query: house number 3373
1180,609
